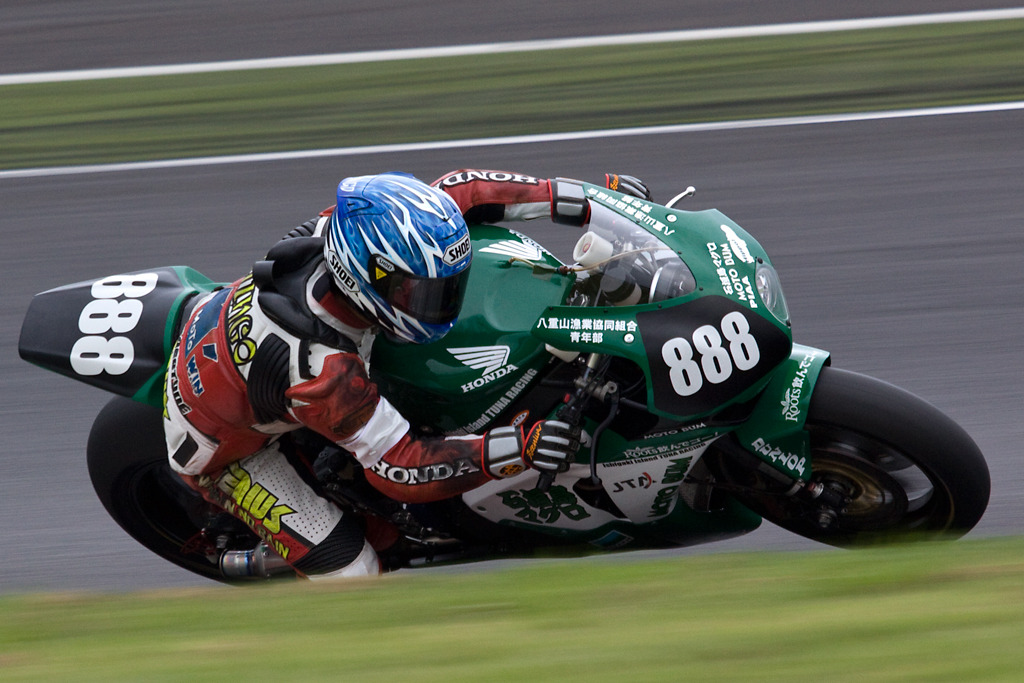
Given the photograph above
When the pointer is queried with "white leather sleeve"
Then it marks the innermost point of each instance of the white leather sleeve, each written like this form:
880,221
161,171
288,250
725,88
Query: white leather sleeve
526,212
380,434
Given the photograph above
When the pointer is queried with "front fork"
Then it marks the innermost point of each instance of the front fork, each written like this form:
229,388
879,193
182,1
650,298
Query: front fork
774,433
825,502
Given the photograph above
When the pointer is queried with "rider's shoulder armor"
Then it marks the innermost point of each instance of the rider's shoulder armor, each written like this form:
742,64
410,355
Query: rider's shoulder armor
282,279
307,229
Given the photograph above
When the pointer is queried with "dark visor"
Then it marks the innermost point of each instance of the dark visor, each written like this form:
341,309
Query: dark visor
430,300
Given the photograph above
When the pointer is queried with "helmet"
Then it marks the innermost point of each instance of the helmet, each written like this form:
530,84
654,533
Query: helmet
399,250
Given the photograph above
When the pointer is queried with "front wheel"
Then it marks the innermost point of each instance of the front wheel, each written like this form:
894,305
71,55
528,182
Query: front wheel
907,470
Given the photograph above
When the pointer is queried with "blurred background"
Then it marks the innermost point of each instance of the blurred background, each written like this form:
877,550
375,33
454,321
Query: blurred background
898,240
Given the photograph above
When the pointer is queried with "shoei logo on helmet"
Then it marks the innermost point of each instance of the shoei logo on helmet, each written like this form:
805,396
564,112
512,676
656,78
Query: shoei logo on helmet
382,268
342,276
457,251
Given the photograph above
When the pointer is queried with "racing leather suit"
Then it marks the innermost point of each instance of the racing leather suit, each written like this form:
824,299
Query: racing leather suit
279,349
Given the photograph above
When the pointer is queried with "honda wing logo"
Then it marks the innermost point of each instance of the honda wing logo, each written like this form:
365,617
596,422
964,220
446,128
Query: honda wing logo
492,361
486,358
738,245
512,248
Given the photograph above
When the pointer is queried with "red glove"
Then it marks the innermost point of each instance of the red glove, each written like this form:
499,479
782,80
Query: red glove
627,184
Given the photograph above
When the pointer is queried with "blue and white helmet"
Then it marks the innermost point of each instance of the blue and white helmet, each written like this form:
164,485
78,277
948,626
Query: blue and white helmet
399,250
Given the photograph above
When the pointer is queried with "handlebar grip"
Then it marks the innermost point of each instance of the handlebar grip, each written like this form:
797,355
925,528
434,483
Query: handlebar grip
544,482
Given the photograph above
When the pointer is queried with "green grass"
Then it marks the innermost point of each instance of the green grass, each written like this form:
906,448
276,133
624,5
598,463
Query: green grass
510,94
936,611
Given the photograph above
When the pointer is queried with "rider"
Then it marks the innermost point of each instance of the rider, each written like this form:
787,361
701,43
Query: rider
286,346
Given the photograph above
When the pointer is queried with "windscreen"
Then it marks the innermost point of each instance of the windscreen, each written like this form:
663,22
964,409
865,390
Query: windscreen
621,264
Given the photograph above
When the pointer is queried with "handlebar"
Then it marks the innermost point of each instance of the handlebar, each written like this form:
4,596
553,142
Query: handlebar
571,411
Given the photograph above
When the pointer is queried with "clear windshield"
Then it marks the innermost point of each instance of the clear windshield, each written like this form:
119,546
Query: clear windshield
621,264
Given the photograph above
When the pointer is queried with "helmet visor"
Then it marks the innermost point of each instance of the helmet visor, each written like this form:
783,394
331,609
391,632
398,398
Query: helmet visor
430,300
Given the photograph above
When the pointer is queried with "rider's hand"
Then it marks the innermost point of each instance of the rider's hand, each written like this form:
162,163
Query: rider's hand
551,445
549,448
627,184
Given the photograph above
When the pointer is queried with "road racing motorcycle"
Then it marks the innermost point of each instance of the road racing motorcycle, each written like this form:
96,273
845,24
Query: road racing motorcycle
667,340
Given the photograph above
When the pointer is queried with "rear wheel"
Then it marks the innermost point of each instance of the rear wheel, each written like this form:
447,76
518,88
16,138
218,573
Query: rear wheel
906,469
128,466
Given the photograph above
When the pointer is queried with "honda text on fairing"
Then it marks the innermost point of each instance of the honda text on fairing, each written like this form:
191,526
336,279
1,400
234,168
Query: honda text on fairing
667,341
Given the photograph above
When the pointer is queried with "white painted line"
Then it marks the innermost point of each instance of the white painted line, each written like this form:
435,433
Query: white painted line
520,46
512,140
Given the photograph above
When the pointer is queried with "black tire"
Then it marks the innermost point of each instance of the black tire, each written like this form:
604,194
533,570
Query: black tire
910,471
128,466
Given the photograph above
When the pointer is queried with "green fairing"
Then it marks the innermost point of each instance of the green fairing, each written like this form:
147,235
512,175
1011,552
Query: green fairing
775,429
192,282
725,268
731,252
536,510
461,383
555,327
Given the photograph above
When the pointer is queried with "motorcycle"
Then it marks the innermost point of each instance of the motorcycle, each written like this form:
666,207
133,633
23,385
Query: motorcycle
667,340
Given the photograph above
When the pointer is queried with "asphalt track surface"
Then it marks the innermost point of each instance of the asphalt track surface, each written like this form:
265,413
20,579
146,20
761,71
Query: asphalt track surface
898,243
45,35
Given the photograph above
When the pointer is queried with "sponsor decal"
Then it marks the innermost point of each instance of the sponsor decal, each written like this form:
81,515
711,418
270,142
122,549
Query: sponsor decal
194,380
791,461
457,251
384,263
724,260
253,499
172,378
167,379
637,209
205,320
341,276
511,470
665,450
791,404
425,474
589,330
514,249
464,177
544,507
738,244
492,361
791,399
500,404
644,481
519,419
210,352
530,450
664,499
239,323
382,268
677,430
